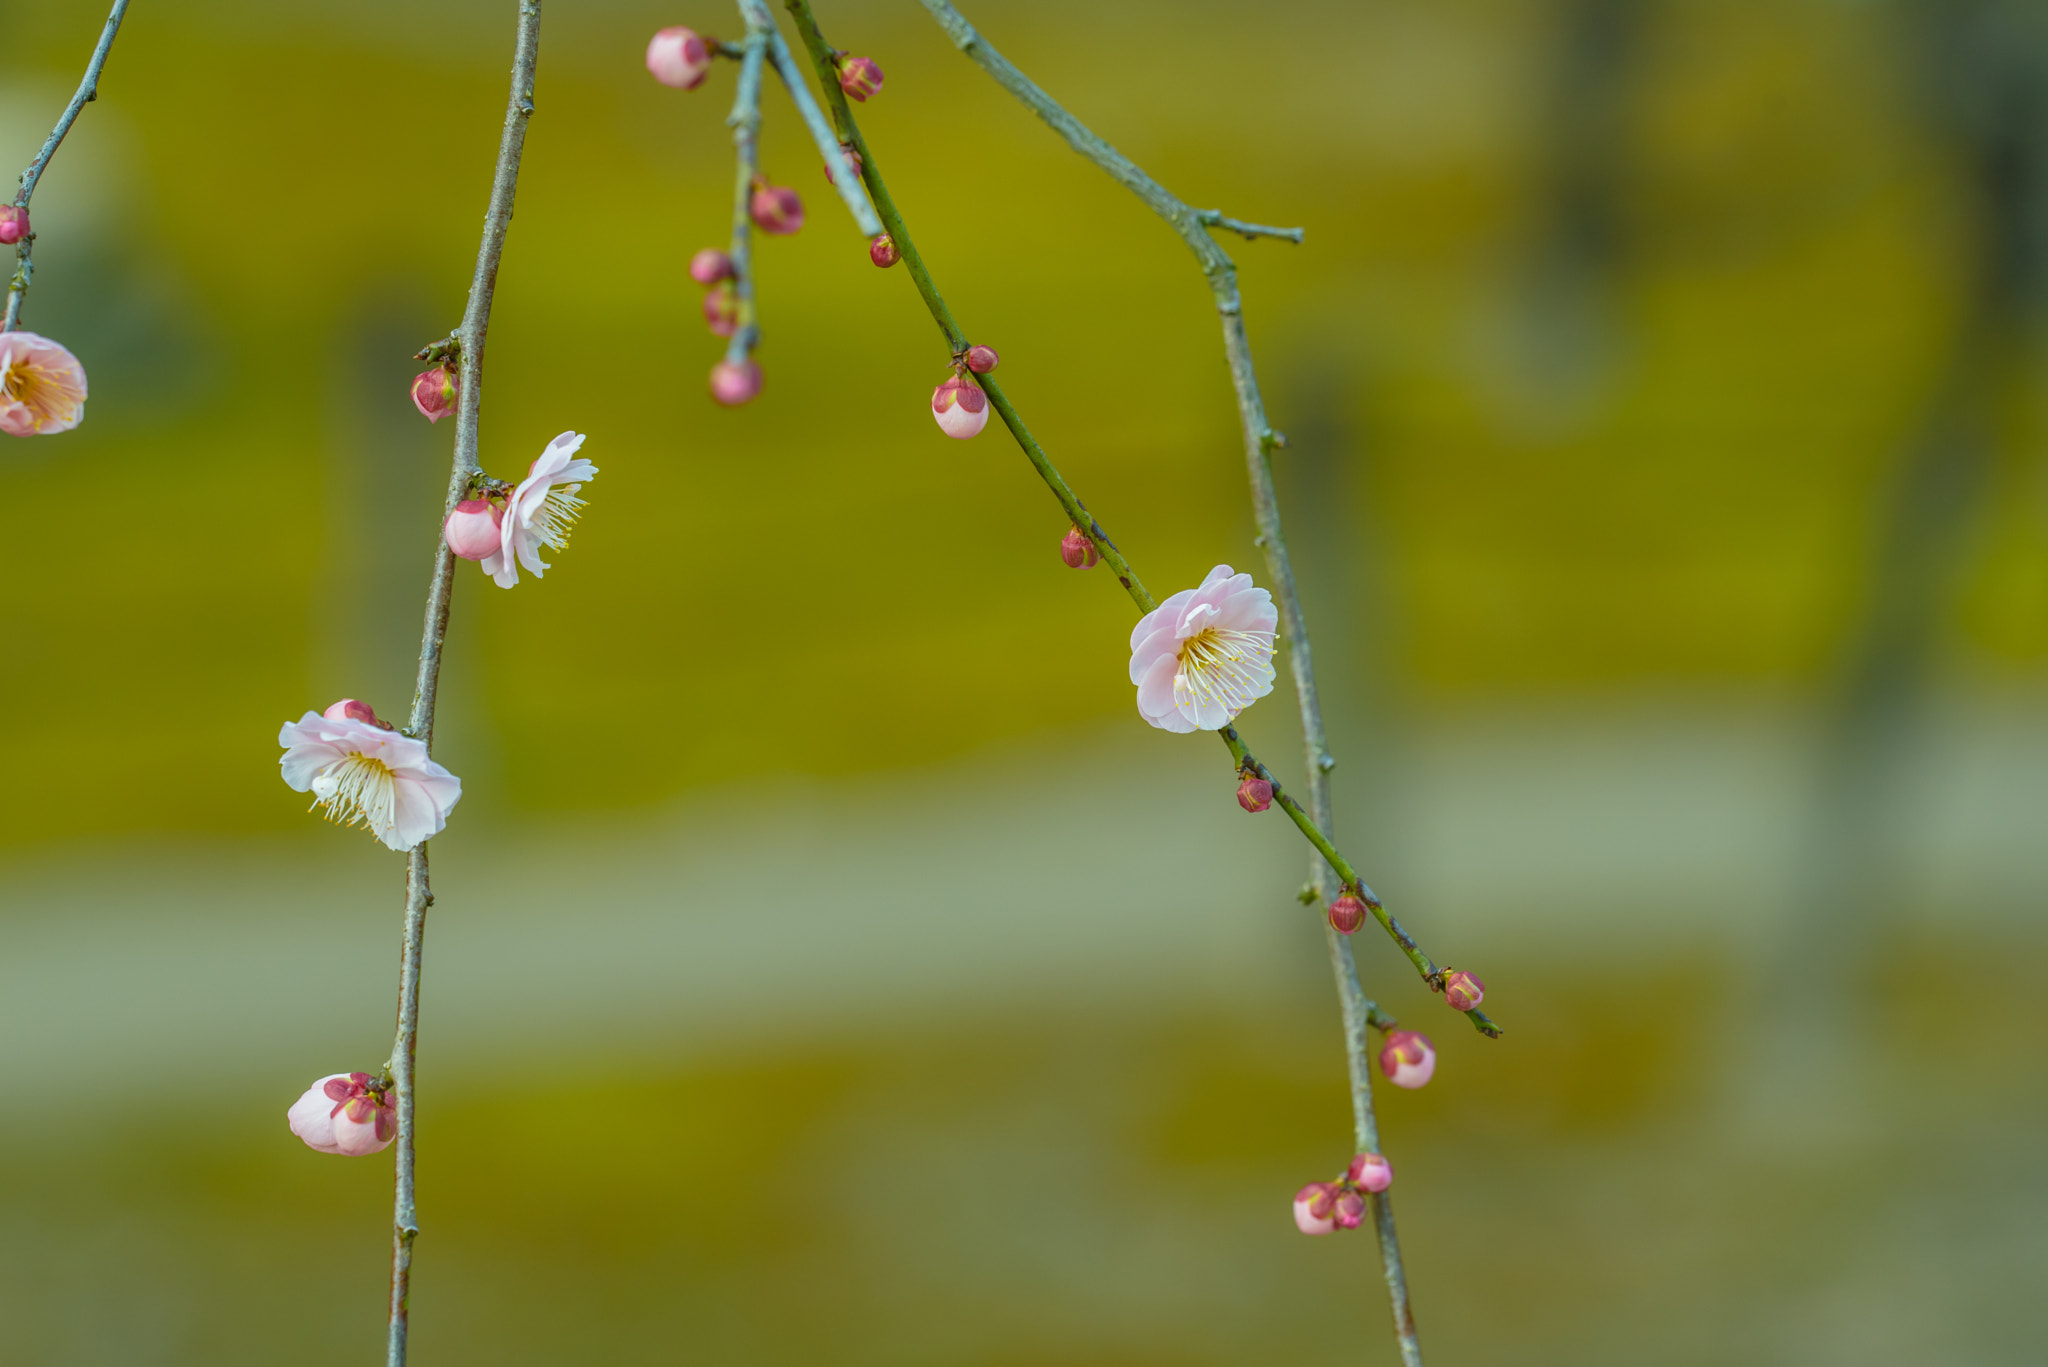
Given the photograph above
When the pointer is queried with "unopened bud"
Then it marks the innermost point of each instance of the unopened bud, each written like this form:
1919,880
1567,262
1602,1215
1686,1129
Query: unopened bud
1409,1060
710,266
678,57
1350,1212
344,1113
853,160
1463,990
722,311
434,391
1315,1207
960,407
859,77
1371,1172
776,209
1347,914
1254,794
1077,550
13,224
982,359
472,531
733,383
882,251
348,709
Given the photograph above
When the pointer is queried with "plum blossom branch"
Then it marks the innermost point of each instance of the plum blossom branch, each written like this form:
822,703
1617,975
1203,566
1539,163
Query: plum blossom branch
745,121
759,20
88,91
468,343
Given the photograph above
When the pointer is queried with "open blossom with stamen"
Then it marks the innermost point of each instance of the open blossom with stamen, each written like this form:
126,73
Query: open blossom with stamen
1205,654
362,774
345,1113
42,386
541,511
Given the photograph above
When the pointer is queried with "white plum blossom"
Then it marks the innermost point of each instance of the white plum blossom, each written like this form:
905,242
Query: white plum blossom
540,511
363,774
1205,654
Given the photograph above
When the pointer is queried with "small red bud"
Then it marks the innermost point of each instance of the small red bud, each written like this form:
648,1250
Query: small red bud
852,159
1409,1060
722,311
13,224
982,359
734,384
859,77
678,57
710,266
1254,794
882,251
1370,1171
433,393
472,529
1347,914
1463,990
777,209
1350,1212
1078,551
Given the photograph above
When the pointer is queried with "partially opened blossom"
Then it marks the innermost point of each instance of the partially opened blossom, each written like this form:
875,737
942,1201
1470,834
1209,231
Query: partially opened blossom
960,408
1077,550
434,392
1315,1207
540,511
1370,1172
345,1113
1205,654
361,773
474,528
678,57
1409,1060
42,386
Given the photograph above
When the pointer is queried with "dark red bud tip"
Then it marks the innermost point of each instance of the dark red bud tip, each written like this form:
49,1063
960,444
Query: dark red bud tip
982,359
1463,990
1254,794
1347,914
710,266
1078,551
13,224
859,77
882,251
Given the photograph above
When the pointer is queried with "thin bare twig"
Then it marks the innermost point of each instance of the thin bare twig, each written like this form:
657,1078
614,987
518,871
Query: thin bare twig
88,91
469,339
745,121
837,168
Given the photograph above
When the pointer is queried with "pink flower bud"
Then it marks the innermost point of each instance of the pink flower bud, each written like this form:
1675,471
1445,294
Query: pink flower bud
1078,551
735,384
852,156
722,311
13,224
710,266
365,1124
1350,1211
1254,794
348,709
434,391
960,407
1463,990
678,57
1347,914
473,530
1315,1207
343,1113
776,209
982,359
1409,1060
1371,1172
882,251
859,77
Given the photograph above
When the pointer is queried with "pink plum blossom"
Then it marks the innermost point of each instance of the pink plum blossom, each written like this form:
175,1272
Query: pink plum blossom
678,57
363,774
1350,1212
1462,989
960,408
1077,551
1370,1172
474,529
13,224
859,77
1347,914
1315,1207
42,386
1205,654
982,359
735,382
540,511
1254,794
434,391
776,209
345,1113
710,266
882,251
722,311
1409,1060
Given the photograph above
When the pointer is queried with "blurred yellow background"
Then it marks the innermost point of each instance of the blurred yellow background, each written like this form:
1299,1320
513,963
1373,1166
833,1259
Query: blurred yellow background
829,966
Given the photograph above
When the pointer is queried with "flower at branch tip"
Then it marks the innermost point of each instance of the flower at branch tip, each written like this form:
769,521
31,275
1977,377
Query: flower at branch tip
735,382
859,77
1369,1172
1205,654
960,408
475,529
42,386
1254,794
1409,1060
1315,1207
362,774
1078,551
882,251
345,1113
710,266
1463,990
776,209
678,57
982,359
852,155
540,511
722,311
1347,914
13,224
434,391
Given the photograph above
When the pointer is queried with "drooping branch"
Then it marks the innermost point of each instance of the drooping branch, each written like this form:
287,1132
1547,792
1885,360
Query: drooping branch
469,345
88,91
838,171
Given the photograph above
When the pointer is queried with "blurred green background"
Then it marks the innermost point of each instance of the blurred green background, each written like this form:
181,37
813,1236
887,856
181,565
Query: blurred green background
829,966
